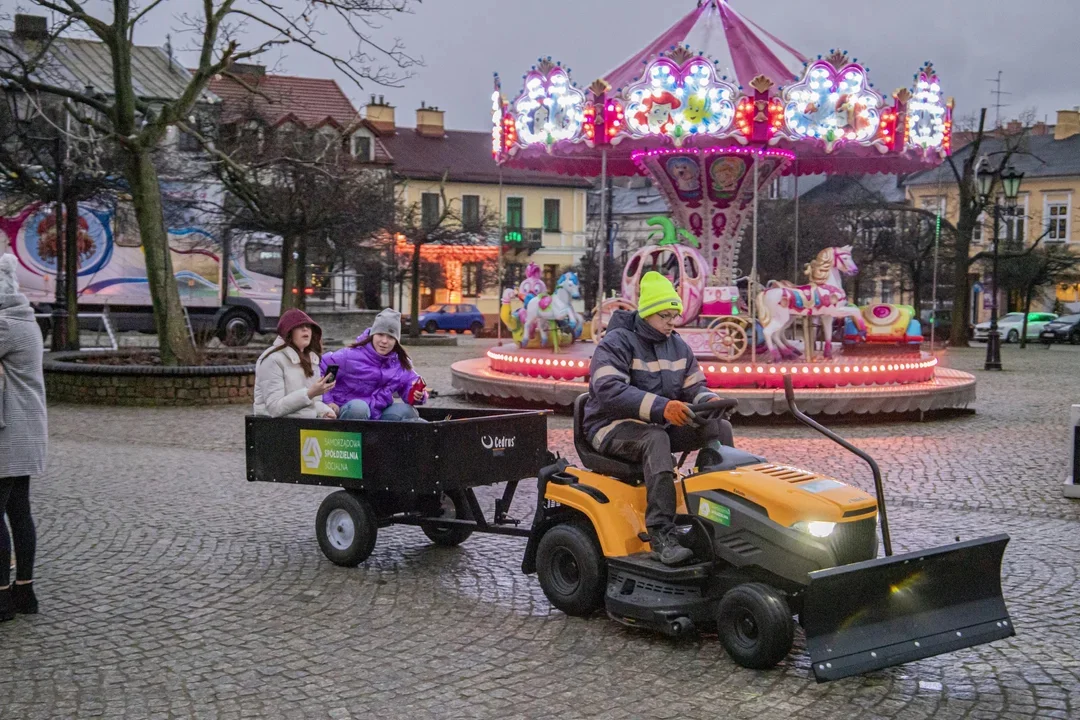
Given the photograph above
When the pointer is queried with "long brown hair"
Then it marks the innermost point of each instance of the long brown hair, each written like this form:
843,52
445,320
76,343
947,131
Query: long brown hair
315,346
402,355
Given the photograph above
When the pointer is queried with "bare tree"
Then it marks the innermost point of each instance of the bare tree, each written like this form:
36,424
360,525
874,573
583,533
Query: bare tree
308,189
1040,268
441,226
41,163
138,124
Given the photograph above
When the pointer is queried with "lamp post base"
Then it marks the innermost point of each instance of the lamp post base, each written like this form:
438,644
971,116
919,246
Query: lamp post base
993,351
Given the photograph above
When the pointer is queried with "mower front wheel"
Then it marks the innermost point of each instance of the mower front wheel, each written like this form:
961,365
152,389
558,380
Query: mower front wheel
755,625
571,569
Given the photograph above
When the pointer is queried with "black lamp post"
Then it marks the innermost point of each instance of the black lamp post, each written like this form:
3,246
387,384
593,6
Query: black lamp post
1010,186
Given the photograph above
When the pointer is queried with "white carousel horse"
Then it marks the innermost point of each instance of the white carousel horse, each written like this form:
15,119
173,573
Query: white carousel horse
823,297
544,309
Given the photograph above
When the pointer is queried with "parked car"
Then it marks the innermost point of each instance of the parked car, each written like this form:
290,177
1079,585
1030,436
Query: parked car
1064,329
941,323
1012,324
452,317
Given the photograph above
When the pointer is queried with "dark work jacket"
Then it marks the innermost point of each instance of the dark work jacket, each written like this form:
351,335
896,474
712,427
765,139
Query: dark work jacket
635,371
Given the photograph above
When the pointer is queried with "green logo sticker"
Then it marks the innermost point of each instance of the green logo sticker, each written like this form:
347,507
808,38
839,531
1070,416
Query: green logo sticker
335,454
713,511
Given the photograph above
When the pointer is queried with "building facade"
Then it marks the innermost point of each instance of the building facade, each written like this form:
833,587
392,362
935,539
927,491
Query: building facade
1049,157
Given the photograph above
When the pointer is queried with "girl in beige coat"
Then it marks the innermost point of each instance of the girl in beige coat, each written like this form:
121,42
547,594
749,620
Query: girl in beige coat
287,382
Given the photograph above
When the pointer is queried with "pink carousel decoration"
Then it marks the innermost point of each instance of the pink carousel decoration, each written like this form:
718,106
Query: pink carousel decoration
712,111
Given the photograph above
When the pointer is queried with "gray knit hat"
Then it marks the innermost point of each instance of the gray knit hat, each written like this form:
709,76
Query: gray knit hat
388,322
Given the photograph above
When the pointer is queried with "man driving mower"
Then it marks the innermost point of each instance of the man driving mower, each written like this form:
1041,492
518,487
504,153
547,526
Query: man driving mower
643,378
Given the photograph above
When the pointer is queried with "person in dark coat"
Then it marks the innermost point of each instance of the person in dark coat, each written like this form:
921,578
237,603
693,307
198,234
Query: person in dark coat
24,437
642,380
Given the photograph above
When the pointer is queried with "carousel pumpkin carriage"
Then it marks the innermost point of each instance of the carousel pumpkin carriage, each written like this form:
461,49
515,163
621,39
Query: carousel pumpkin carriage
718,310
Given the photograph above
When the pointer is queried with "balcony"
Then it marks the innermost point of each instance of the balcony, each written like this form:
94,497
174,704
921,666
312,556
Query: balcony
527,240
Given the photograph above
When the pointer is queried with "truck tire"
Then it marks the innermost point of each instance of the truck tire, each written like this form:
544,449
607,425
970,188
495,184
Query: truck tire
571,569
755,625
236,328
346,528
454,506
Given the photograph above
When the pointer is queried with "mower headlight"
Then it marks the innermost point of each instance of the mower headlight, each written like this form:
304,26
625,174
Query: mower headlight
817,528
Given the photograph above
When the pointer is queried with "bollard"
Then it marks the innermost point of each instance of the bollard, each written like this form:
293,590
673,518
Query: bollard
1072,482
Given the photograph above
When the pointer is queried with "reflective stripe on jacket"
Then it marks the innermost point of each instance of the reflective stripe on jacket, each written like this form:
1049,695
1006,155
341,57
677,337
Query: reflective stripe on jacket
635,371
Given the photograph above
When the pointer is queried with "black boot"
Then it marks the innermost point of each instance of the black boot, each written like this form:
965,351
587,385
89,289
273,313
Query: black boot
7,608
708,458
666,547
22,597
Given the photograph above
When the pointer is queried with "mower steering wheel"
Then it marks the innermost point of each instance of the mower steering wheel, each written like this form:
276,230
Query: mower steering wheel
713,409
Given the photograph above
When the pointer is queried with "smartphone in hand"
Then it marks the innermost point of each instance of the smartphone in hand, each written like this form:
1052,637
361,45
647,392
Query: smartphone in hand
331,373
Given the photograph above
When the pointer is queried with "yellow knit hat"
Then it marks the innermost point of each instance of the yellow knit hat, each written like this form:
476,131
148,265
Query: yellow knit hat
657,294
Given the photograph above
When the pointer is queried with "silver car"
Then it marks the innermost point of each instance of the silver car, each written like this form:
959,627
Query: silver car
1011,325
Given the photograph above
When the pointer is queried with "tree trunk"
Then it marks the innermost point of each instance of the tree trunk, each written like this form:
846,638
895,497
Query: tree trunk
288,274
414,325
1029,293
174,340
71,272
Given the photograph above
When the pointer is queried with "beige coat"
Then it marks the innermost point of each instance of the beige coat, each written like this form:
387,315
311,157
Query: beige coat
281,386
24,431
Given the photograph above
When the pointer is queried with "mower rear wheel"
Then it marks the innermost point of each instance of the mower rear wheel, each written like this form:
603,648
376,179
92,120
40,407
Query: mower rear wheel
571,569
755,625
452,505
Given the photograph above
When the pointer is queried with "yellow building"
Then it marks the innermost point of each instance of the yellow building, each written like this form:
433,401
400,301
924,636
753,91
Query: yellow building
1048,203
544,214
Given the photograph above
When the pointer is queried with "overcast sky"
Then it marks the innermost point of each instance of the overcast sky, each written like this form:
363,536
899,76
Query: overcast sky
1036,43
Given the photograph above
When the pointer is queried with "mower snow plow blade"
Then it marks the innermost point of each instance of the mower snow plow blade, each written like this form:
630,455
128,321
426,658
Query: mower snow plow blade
878,613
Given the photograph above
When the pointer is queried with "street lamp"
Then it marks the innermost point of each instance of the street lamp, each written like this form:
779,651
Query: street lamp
1010,187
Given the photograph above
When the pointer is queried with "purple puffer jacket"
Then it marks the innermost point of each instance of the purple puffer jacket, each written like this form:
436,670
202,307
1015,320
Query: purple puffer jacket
364,374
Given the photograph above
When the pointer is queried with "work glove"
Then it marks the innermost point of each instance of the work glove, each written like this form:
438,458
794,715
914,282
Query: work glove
417,394
678,413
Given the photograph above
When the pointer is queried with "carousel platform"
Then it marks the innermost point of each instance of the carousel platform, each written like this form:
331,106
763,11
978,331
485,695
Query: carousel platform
861,384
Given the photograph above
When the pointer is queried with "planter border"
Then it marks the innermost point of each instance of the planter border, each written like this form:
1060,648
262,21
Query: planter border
60,362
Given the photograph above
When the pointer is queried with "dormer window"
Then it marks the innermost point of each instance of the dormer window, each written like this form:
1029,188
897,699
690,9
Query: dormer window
362,147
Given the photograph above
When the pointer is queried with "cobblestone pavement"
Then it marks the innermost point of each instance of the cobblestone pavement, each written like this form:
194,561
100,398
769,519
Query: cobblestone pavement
171,587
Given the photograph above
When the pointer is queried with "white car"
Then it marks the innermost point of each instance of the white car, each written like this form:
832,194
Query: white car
1011,325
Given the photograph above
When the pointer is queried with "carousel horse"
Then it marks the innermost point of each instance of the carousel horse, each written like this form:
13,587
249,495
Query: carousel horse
546,309
824,297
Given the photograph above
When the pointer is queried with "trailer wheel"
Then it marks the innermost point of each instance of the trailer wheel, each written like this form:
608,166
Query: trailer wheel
571,569
346,528
755,625
452,505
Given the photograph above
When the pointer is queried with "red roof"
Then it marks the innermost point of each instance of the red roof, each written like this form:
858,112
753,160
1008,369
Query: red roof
465,157
310,102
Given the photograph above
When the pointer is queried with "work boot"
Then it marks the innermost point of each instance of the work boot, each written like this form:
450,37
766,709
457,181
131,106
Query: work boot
666,547
22,597
7,609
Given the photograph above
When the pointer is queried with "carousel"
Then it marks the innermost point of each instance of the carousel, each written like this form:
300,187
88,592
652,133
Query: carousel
713,111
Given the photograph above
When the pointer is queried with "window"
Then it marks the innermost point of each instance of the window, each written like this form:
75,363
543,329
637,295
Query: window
551,274
886,291
1013,226
429,210
552,210
515,273
774,189
361,147
263,259
977,231
472,281
470,212
1058,225
515,213
187,142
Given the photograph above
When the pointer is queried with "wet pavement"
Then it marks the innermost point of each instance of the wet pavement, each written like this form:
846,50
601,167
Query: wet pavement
171,587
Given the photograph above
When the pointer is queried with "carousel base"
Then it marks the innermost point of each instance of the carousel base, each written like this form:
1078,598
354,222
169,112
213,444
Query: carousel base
855,385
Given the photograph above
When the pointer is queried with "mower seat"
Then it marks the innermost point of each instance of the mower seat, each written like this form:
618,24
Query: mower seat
627,472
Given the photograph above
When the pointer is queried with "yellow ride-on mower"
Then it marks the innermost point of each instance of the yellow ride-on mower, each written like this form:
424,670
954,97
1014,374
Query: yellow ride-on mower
770,542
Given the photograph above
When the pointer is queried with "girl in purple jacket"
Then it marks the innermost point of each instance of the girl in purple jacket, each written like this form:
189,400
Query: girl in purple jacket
371,371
